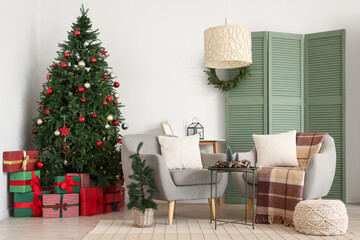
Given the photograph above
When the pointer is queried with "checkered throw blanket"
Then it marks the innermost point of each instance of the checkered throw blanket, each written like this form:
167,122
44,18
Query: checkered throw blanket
281,188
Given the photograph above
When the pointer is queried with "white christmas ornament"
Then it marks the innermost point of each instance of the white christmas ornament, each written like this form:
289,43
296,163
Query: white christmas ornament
81,64
87,85
109,118
39,121
57,133
107,126
116,95
112,75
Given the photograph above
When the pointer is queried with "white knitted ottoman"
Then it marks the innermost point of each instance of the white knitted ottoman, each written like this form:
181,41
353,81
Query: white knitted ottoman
321,217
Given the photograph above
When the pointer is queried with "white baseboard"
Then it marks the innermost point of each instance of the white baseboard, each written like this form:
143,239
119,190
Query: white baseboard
4,214
355,199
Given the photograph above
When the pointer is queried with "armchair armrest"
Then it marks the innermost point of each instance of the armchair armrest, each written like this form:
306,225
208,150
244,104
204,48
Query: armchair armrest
320,171
209,159
250,156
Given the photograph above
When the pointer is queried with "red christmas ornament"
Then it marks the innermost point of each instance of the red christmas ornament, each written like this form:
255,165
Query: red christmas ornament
119,112
116,122
77,32
109,99
83,100
64,131
48,77
93,60
105,76
67,54
33,130
116,84
64,144
39,165
116,102
94,115
120,140
99,143
81,119
54,65
81,89
103,52
104,103
63,65
122,178
49,91
42,106
47,111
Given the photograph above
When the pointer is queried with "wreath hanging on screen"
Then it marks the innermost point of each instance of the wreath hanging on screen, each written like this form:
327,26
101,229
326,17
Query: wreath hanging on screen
241,74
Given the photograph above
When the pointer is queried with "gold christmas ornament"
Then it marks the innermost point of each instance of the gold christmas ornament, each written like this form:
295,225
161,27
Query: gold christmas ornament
112,75
107,126
81,64
110,118
57,133
116,95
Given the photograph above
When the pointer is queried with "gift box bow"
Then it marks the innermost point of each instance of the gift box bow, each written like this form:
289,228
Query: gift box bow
114,204
97,201
67,184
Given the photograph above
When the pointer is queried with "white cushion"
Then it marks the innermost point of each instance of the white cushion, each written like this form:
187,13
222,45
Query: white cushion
276,150
181,152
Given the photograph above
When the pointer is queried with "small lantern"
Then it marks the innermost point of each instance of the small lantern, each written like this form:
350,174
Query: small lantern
195,127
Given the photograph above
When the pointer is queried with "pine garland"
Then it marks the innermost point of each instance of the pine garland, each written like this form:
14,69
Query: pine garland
241,74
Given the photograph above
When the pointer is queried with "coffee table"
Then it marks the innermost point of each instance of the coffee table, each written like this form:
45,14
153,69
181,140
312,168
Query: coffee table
247,171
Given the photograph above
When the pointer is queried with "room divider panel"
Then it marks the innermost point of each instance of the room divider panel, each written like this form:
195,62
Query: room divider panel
295,83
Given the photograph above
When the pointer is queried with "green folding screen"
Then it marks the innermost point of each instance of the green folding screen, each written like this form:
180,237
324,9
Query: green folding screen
295,83
325,95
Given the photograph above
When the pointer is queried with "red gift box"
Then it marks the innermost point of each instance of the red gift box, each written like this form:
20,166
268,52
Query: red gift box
60,205
114,201
18,161
91,201
49,189
113,188
84,179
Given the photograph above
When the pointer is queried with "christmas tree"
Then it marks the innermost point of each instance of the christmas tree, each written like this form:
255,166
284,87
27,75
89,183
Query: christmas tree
79,120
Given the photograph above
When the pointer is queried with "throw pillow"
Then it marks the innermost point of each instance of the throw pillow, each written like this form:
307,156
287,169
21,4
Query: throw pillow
181,152
276,150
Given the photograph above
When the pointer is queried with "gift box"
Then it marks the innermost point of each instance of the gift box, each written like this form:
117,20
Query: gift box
113,188
91,201
60,205
112,202
25,182
28,204
66,184
18,161
84,179
49,189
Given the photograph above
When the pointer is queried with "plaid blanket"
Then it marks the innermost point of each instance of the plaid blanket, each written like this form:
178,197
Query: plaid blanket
281,188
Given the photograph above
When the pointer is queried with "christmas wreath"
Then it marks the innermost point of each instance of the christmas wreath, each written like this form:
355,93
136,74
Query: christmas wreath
241,74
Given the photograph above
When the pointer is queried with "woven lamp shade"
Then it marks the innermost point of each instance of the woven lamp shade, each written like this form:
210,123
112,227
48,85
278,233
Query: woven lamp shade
227,46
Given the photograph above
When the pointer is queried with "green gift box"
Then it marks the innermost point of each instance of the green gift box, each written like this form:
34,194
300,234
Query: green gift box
67,184
28,204
23,182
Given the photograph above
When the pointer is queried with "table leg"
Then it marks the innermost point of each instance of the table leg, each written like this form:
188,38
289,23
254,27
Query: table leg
215,196
211,189
246,199
253,211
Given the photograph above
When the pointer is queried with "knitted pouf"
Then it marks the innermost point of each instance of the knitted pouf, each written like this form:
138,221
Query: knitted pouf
321,217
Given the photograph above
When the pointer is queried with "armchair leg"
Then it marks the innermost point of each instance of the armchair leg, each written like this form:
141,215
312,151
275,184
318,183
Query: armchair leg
212,205
219,201
171,205
319,198
250,207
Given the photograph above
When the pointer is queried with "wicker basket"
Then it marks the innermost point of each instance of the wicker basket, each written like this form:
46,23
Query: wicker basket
143,220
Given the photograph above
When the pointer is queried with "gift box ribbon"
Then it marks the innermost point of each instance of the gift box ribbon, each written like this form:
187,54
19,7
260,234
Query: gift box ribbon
23,162
67,184
97,201
34,182
62,206
114,204
35,205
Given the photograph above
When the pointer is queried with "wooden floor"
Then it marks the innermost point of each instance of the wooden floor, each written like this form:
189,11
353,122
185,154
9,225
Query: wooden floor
78,227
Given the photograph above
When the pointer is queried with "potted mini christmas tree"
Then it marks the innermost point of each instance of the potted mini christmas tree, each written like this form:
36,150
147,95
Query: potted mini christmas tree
141,191
78,125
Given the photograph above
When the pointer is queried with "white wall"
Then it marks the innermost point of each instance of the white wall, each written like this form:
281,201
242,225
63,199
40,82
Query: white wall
156,49
19,81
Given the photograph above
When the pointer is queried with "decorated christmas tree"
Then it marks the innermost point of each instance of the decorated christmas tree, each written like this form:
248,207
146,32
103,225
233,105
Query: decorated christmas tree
79,120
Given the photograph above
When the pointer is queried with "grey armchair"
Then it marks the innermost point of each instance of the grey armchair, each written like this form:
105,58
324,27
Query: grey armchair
173,185
319,173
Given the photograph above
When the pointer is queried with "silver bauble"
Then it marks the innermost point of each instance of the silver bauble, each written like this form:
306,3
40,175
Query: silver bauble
109,118
39,121
107,126
81,64
65,162
124,126
87,85
116,95
112,75
57,133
